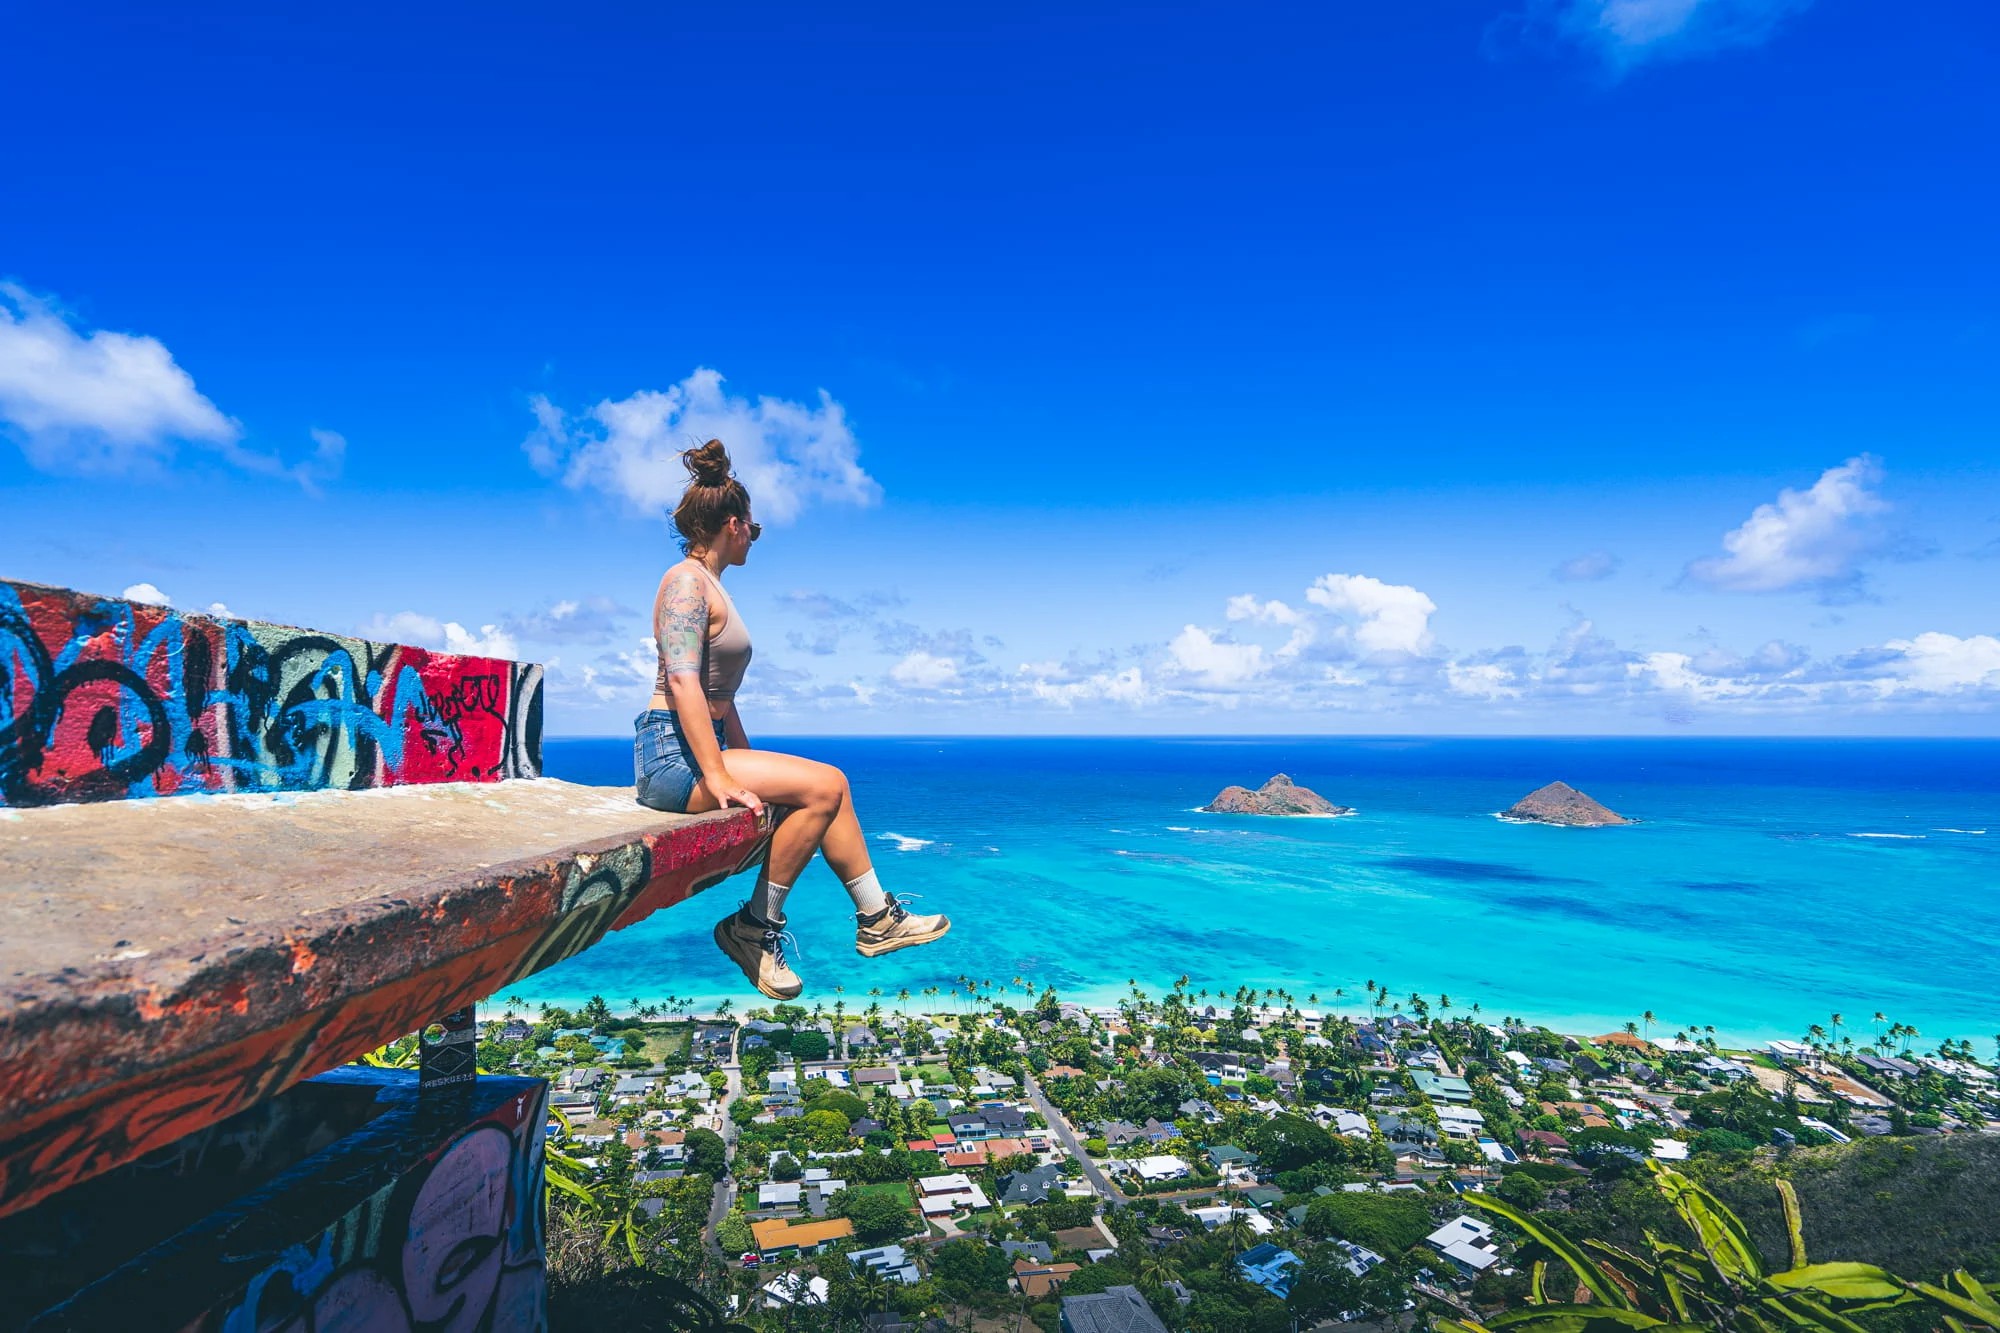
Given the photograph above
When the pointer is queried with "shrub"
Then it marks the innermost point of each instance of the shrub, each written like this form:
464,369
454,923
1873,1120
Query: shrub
1385,1223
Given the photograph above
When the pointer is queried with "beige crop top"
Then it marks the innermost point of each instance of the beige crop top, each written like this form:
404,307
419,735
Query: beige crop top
725,654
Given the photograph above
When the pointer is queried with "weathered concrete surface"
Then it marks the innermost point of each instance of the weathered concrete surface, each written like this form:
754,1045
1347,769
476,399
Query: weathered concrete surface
164,964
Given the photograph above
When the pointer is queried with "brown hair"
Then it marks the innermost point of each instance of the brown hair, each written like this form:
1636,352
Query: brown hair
713,495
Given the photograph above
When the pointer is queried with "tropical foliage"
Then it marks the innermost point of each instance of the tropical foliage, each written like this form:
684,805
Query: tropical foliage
1723,1282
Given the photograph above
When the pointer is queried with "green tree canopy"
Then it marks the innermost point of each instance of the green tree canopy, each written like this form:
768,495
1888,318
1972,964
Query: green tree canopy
706,1153
877,1218
1385,1223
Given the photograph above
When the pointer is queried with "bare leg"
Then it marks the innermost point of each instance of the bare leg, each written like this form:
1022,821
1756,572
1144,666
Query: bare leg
822,817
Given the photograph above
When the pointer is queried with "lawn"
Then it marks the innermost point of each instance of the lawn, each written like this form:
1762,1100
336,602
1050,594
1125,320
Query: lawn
658,1041
894,1189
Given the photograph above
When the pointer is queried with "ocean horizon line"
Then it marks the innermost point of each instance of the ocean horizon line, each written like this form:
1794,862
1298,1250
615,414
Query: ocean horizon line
1323,736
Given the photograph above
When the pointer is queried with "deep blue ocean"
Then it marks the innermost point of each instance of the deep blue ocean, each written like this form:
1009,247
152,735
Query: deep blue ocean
1770,884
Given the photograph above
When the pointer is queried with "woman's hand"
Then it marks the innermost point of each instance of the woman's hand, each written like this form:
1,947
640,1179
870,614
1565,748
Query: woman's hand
722,789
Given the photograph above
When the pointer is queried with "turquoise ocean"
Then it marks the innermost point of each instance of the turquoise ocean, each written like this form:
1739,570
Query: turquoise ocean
1769,884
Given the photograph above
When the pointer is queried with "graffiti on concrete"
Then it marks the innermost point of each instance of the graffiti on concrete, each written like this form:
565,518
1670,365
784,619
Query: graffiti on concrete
515,923
454,1246
352,1203
102,699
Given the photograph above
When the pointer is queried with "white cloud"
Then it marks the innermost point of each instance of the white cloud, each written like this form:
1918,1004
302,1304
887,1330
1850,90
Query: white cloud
1586,568
1217,662
1812,539
788,454
1946,664
413,627
101,403
592,619
1389,617
147,593
1245,606
98,402
1118,687
923,671
1625,33
1481,680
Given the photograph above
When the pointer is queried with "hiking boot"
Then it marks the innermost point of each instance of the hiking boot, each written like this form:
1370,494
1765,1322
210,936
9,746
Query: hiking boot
758,948
894,928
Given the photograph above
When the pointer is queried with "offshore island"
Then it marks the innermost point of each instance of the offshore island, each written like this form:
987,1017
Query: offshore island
1278,796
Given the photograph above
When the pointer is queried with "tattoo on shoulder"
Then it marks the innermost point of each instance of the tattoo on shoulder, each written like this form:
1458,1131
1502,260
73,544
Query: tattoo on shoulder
683,623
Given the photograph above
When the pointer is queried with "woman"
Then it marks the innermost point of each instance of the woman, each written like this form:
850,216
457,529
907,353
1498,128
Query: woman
691,753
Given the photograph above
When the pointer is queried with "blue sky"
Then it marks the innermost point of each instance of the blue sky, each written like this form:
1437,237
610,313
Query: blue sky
1515,366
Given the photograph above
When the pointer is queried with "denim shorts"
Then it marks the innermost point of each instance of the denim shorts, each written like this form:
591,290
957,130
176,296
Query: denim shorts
663,766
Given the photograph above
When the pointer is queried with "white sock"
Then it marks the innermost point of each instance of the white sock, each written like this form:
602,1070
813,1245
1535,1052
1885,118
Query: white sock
867,893
767,901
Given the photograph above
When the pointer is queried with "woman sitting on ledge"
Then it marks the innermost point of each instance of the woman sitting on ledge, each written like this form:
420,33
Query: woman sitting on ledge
691,753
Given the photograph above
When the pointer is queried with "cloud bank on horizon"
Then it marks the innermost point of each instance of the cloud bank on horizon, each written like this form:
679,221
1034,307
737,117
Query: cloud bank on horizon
1510,369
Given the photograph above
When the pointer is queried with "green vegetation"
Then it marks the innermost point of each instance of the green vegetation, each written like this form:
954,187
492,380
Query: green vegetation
1722,1281
877,1217
1385,1223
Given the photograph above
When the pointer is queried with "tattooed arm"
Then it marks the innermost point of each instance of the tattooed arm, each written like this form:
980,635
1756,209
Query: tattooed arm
681,625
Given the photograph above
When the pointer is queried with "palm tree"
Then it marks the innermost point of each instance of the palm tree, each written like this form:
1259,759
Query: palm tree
1648,1019
1155,1269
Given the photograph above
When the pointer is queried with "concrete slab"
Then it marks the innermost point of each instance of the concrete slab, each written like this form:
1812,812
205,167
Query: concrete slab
165,964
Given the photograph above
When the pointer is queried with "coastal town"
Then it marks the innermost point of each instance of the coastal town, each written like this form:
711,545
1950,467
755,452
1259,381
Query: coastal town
1181,1161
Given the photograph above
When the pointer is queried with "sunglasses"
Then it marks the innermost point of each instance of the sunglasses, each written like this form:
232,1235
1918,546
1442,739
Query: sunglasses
756,529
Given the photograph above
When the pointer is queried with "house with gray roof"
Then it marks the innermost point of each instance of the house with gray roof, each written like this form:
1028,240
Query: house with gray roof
1113,1310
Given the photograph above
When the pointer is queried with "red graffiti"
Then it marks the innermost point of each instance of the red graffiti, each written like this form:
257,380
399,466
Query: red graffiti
102,699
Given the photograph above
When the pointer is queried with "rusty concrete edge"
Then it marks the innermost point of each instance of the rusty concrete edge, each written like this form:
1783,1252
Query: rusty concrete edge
82,1030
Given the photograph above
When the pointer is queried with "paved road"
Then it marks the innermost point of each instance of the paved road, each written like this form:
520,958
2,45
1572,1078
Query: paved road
725,1191
1059,1126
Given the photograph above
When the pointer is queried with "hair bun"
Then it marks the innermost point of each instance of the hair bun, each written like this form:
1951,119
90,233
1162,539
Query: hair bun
708,465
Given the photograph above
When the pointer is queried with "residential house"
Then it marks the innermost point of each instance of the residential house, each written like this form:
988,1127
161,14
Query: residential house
1226,1155
1194,1108
1359,1258
1468,1243
776,1238
1035,1279
1160,1167
891,1261
1442,1087
1027,1249
793,1289
1036,1186
1009,1120
875,1077
1215,1216
1405,1129
969,1127
1118,1133
941,1196
1269,1267
779,1196
1349,1124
